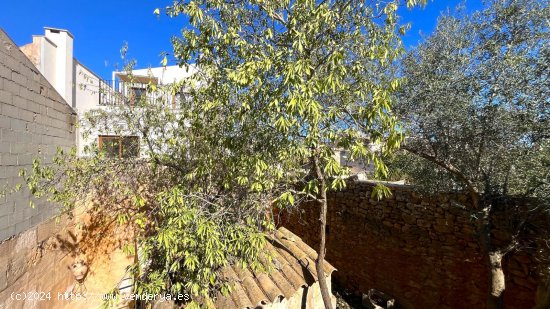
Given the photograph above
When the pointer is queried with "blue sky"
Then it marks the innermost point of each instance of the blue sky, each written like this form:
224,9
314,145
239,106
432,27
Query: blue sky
101,27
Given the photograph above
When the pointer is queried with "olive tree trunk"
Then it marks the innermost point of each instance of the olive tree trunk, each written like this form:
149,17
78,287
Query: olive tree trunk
495,299
493,261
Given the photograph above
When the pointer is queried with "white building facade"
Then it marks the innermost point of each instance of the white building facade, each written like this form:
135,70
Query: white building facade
84,90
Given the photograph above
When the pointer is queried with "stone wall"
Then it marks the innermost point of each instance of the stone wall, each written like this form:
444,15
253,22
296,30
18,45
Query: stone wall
34,121
34,265
420,250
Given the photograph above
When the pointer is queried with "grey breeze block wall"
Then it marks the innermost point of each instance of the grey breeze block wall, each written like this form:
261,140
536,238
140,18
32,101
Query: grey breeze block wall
34,121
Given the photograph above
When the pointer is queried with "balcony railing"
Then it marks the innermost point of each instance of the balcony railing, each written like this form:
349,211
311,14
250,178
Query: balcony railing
113,93
123,93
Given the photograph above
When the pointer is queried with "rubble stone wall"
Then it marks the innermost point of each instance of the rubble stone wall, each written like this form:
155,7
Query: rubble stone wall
420,250
34,267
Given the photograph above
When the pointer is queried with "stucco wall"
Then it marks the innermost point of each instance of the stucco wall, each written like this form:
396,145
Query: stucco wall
420,250
86,88
48,60
34,121
87,94
33,50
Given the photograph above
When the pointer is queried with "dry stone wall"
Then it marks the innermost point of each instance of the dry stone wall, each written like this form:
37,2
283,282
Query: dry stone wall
420,250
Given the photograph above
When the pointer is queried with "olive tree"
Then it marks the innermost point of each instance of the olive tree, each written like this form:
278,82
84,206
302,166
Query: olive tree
476,104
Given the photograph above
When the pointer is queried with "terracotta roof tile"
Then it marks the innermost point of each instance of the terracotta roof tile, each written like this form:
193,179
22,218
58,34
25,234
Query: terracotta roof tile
238,295
292,267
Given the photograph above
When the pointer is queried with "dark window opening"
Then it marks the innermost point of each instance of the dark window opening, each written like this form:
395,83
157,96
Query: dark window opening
119,146
137,94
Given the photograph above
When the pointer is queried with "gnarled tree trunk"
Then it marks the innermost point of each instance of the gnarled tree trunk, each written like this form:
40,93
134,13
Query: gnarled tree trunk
495,299
493,260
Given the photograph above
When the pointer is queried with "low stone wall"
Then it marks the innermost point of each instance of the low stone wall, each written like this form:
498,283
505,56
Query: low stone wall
34,267
420,250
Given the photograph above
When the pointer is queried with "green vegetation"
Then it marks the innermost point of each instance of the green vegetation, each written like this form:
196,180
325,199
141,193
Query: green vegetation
280,85
476,106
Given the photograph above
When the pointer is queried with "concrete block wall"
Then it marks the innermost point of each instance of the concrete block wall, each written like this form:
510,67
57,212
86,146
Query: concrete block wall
419,249
34,121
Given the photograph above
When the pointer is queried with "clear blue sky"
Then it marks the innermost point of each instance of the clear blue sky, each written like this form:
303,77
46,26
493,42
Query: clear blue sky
100,27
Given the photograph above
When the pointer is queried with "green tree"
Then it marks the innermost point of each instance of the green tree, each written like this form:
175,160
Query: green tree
278,86
476,104
307,71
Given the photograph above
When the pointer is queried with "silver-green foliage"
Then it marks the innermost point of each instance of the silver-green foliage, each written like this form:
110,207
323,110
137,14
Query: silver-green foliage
476,102
477,106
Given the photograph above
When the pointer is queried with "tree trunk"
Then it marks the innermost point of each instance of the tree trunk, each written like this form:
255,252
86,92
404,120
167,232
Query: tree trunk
325,293
321,257
495,299
493,260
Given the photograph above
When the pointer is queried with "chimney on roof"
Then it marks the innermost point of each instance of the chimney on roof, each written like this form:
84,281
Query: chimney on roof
52,54
60,59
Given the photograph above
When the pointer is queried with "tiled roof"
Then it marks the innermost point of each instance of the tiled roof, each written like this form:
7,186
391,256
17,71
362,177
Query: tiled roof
293,268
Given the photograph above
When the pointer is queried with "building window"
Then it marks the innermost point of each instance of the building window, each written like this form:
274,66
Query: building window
119,146
136,95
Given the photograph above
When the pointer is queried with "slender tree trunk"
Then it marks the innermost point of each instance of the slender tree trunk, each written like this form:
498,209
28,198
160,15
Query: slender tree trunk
325,293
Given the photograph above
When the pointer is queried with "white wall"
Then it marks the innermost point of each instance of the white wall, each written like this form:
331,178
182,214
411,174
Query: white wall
86,97
48,62
78,85
64,83
86,88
